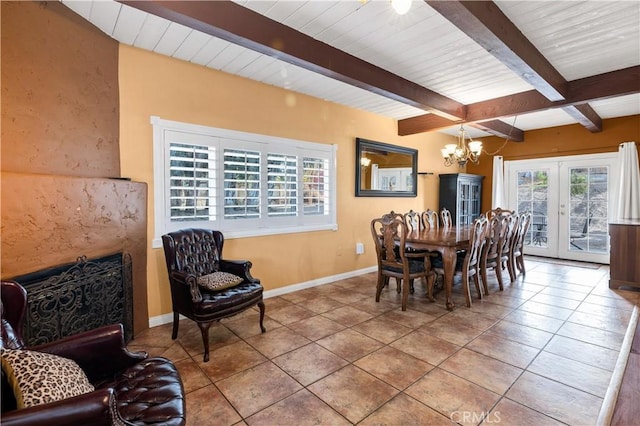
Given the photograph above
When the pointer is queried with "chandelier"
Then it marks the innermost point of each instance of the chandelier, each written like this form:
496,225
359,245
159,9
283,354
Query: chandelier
466,149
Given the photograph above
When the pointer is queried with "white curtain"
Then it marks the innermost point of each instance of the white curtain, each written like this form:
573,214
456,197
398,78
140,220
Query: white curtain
627,203
498,198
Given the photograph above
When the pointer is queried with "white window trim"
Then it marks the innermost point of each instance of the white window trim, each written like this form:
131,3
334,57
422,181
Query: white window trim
160,126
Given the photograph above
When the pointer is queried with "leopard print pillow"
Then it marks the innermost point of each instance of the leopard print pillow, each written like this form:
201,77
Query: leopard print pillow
219,280
39,378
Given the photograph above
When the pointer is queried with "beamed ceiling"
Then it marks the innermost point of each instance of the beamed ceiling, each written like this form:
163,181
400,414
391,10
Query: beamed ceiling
502,67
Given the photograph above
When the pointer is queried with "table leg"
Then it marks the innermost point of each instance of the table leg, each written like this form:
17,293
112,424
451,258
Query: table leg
449,262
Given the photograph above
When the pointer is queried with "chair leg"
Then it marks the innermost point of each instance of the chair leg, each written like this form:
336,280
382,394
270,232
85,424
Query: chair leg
405,291
204,330
465,288
261,306
485,280
498,271
520,264
431,279
476,282
512,268
382,281
398,284
176,323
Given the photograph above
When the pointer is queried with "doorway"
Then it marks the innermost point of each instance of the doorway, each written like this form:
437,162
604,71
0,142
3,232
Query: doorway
570,201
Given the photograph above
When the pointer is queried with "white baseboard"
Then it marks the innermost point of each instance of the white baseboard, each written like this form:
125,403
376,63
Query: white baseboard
168,318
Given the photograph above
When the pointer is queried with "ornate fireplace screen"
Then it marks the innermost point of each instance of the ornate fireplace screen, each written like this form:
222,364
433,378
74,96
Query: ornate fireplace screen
76,297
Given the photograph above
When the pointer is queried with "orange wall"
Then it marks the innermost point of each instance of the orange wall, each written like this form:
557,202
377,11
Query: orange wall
555,142
154,85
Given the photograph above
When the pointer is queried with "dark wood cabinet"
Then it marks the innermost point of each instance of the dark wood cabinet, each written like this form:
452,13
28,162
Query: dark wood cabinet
624,259
461,194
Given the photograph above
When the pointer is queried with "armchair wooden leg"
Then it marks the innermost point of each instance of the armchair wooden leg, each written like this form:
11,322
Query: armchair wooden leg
204,330
261,306
176,323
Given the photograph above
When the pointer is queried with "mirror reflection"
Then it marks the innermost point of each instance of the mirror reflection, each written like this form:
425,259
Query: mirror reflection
384,170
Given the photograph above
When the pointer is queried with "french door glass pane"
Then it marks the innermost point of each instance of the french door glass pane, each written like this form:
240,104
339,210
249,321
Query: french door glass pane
533,197
589,200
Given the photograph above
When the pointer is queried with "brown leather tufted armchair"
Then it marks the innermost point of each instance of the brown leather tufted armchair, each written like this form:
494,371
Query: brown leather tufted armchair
130,388
192,253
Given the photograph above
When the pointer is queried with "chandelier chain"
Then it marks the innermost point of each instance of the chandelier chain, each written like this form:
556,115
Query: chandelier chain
506,140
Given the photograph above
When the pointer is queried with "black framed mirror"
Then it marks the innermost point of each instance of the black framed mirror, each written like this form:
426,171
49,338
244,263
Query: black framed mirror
385,170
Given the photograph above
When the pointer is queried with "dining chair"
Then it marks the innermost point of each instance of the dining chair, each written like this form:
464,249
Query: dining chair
413,221
491,252
395,260
506,245
498,212
430,219
445,216
517,252
471,262
390,216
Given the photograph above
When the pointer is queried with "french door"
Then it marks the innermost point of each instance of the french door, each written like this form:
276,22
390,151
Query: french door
570,199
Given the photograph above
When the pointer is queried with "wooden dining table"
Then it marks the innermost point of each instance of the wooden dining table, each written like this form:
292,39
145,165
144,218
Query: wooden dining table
447,241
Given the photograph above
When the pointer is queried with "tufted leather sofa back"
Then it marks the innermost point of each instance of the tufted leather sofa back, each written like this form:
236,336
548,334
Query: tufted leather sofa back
193,251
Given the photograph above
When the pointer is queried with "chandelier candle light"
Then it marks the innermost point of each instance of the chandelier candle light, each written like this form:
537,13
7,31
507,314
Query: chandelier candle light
466,149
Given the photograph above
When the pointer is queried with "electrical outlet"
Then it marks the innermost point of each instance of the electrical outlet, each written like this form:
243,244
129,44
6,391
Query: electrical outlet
359,248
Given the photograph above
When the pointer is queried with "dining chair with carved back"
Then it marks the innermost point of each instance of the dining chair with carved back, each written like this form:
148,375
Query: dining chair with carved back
498,212
391,216
430,219
445,217
506,245
471,262
468,266
517,252
395,260
491,252
413,220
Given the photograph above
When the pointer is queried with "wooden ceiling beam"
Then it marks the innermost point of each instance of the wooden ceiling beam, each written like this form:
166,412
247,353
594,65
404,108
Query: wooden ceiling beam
244,27
586,116
602,86
413,125
487,25
501,129
588,89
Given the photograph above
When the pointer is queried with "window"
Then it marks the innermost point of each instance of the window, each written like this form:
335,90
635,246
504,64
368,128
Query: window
242,184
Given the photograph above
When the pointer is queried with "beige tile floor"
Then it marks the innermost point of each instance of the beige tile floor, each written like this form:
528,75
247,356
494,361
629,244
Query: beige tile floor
540,352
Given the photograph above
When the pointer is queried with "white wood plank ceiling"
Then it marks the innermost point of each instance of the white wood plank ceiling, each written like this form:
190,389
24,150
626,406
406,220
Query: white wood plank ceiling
578,38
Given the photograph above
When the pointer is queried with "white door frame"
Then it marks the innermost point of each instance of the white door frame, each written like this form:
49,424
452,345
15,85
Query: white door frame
558,223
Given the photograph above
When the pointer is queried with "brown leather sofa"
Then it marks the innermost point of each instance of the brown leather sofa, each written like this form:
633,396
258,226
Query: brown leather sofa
130,388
